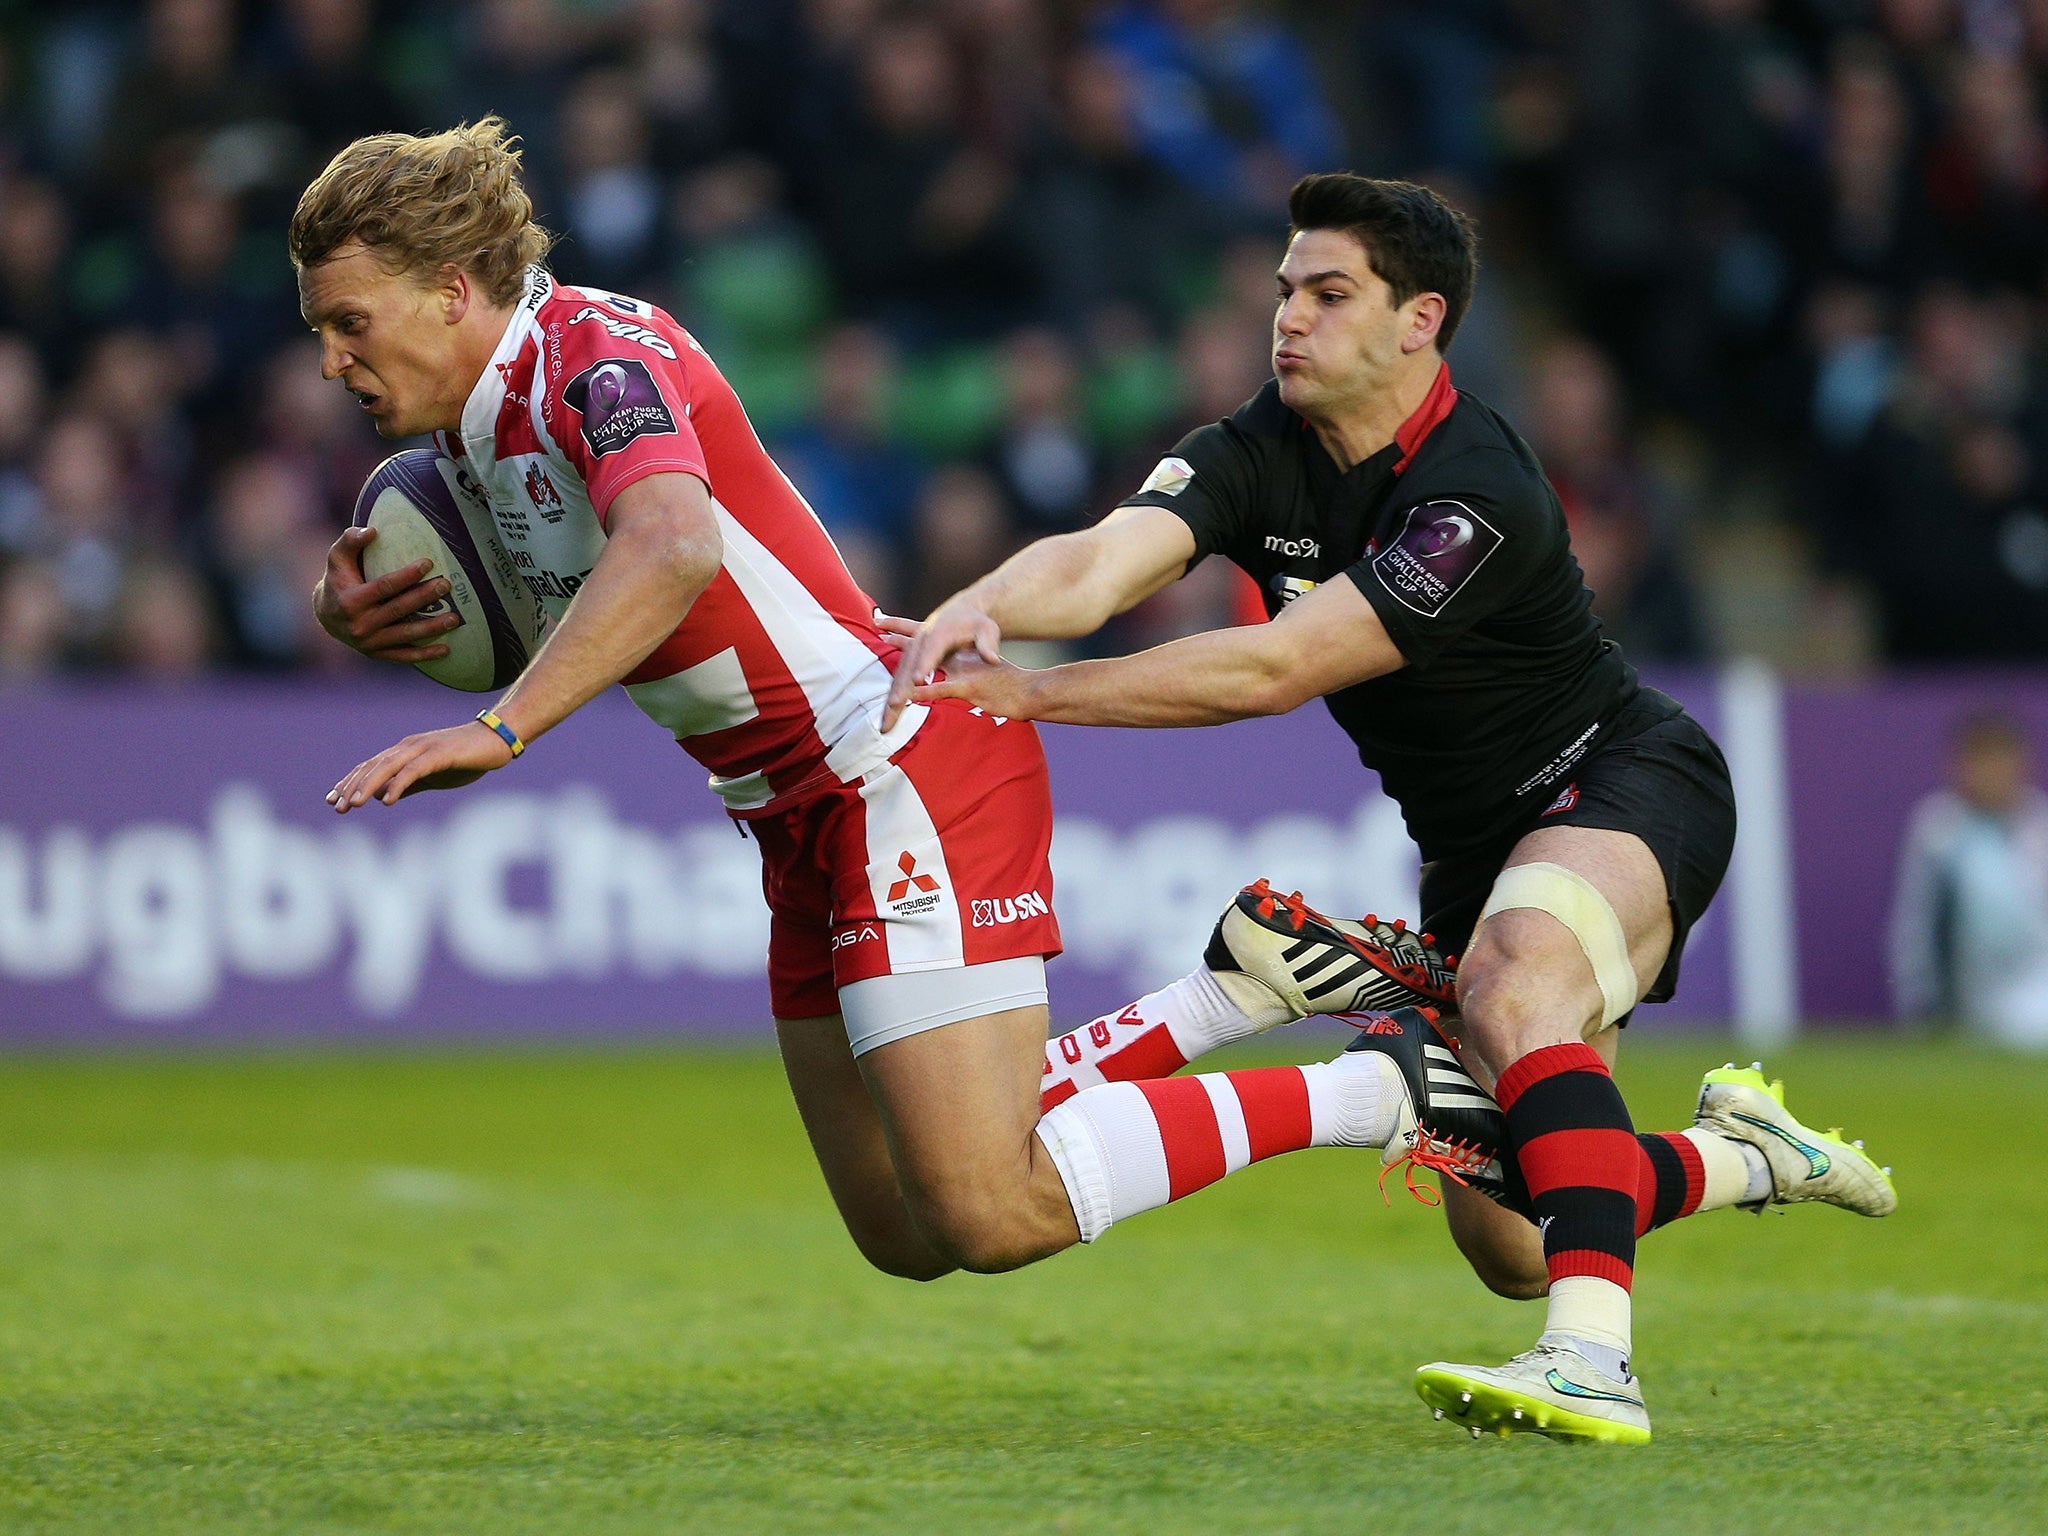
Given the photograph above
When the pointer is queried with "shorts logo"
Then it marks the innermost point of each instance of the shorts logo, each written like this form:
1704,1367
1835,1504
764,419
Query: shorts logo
619,401
1170,478
900,898
1566,799
992,914
847,938
1439,549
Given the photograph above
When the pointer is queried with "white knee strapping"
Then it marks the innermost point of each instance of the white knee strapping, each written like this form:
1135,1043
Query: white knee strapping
1577,903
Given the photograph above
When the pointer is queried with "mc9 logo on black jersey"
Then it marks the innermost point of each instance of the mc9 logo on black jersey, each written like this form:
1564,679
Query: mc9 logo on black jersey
1439,549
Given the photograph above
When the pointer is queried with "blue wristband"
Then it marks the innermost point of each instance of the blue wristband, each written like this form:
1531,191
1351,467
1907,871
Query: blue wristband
505,732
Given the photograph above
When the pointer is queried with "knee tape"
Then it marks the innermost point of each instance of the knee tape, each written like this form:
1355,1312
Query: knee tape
1577,903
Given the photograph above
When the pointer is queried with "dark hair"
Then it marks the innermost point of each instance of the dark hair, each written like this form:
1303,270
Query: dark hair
1416,242
1987,730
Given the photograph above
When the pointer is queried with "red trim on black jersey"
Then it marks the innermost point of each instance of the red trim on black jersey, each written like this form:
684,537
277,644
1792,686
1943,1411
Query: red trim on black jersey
1435,407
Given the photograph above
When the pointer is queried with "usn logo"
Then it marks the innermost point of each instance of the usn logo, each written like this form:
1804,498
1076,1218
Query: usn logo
618,401
993,914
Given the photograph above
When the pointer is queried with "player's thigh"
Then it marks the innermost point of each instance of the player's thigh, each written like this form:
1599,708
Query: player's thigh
1569,943
959,1107
846,1135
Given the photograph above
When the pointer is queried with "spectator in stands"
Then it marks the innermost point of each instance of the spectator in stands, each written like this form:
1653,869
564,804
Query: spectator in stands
189,290
1625,521
1969,933
21,414
166,627
864,485
1042,456
1944,500
1744,205
1103,212
677,82
1878,226
612,197
135,385
35,287
959,528
315,428
176,99
267,553
1988,175
85,538
330,86
1225,100
922,221
34,620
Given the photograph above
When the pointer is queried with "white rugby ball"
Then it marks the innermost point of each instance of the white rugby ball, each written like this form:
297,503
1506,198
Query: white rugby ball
425,506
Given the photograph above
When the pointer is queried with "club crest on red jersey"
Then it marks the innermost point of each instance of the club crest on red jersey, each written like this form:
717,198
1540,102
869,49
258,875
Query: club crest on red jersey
540,490
619,401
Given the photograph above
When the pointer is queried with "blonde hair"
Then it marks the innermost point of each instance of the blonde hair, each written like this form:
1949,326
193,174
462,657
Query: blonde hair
424,202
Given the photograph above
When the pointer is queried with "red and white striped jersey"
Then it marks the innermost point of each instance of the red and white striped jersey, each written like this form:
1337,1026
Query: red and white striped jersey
775,680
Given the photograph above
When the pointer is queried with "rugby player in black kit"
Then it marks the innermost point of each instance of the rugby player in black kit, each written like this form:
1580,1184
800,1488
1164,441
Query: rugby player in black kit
1573,824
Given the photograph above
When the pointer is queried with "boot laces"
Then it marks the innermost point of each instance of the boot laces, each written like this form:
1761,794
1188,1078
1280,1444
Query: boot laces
1445,1156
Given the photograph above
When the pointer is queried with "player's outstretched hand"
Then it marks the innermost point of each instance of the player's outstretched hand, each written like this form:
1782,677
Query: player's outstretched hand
376,617
957,627
444,759
996,686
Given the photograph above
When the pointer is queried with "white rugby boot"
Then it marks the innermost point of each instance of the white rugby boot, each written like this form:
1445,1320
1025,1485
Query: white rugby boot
1550,1390
1737,1103
1285,949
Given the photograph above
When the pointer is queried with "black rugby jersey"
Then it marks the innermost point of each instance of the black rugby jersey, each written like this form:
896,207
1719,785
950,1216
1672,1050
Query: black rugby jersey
1459,543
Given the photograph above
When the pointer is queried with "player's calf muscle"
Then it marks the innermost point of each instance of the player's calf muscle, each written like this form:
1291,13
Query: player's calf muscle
987,1219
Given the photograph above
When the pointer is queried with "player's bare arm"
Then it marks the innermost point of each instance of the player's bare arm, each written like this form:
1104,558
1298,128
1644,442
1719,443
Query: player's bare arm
662,550
1325,641
1056,589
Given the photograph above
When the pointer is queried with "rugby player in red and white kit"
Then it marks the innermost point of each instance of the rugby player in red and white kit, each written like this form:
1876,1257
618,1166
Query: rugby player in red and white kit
906,870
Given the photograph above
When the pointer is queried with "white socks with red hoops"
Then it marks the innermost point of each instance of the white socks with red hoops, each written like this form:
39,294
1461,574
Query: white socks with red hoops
1122,1148
1156,1036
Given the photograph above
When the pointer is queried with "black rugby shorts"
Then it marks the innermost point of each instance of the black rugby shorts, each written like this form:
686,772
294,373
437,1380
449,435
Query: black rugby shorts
1667,783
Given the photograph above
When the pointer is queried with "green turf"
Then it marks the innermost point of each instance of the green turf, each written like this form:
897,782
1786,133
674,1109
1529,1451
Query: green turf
584,1293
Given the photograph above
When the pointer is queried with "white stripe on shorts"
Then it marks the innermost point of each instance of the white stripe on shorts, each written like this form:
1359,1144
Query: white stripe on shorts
899,824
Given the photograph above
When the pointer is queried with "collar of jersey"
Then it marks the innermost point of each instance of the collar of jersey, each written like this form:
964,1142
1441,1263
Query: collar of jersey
1435,408
480,411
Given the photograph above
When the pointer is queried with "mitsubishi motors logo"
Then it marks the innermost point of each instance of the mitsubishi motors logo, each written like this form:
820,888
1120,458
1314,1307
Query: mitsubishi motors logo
899,892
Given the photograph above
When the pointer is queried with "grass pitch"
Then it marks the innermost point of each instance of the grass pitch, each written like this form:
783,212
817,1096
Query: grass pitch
588,1293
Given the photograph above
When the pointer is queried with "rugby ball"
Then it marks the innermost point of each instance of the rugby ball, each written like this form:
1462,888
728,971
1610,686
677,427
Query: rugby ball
426,506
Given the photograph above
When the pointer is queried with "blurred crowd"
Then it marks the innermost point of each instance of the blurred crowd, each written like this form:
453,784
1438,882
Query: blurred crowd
974,264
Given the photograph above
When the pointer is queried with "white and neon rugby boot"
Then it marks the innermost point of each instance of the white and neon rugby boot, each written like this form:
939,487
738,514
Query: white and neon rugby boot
1550,1390
1737,1103
1318,964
